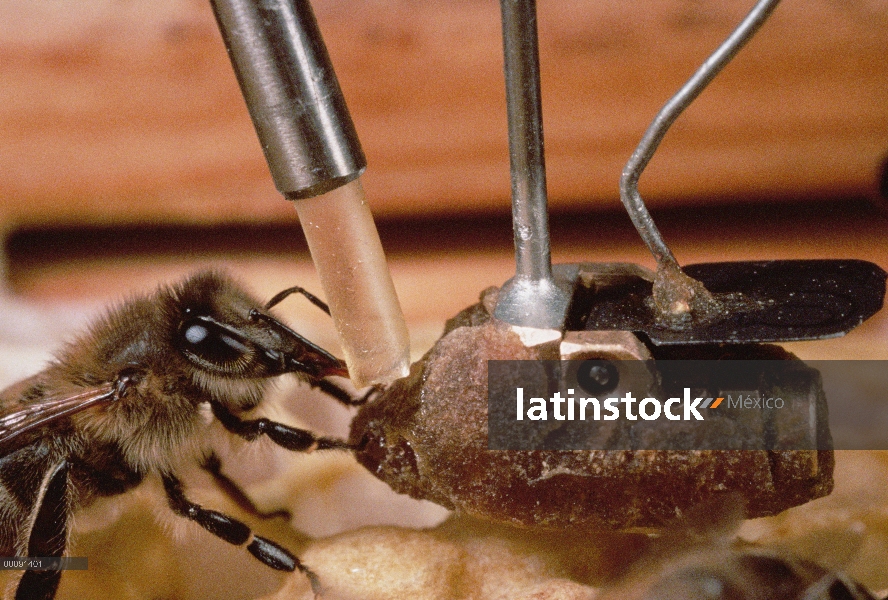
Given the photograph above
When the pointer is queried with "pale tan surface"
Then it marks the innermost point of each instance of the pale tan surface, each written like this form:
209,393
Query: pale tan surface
129,111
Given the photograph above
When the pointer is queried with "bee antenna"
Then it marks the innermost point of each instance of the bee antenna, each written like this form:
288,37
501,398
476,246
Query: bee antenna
280,296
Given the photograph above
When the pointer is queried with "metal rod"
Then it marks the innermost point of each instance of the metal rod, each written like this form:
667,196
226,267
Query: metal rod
532,298
524,107
632,200
315,158
292,93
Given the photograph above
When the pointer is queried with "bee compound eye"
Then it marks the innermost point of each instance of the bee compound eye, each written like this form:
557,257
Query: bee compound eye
212,343
839,590
694,585
196,333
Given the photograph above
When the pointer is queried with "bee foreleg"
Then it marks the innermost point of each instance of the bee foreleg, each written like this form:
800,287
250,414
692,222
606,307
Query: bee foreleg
48,538
234,532
291,438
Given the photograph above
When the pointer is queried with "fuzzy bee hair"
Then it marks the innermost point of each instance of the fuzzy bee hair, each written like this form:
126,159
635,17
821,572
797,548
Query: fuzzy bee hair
128,398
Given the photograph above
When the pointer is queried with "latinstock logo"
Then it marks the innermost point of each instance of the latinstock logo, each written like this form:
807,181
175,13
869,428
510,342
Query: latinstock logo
570,408
656,405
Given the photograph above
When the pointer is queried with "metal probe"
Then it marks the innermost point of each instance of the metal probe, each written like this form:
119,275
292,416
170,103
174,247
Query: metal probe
649,143
676,294
534,297
315,158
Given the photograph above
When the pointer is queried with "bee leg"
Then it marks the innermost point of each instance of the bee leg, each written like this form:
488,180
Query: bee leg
341,394
291,438
48,537
234,532
213,466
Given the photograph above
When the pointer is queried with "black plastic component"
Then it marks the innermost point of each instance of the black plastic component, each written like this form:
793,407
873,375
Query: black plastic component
767,301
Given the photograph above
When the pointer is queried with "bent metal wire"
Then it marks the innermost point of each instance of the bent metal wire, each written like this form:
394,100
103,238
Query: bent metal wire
676,105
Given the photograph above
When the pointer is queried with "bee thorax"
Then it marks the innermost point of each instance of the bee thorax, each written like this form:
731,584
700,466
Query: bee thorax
153,423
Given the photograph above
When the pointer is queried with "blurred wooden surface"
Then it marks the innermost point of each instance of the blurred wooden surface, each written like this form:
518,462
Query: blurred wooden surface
128,112
439,266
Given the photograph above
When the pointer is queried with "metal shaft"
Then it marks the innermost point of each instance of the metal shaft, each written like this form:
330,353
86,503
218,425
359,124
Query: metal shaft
315,158
525,111
292,93
532,298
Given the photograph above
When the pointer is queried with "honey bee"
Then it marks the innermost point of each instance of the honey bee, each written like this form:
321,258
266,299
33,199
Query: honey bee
133,397
750,574
703,561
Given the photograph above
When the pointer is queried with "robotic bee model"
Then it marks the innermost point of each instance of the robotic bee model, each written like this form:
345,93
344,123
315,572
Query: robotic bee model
127,400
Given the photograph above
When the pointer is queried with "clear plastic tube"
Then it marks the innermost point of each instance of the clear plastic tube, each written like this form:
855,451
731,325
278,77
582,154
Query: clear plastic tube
348,256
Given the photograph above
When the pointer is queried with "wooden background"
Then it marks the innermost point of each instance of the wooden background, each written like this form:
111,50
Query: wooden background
127,156
128,112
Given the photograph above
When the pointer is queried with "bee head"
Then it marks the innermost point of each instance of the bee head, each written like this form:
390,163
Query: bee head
717,574
224,333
